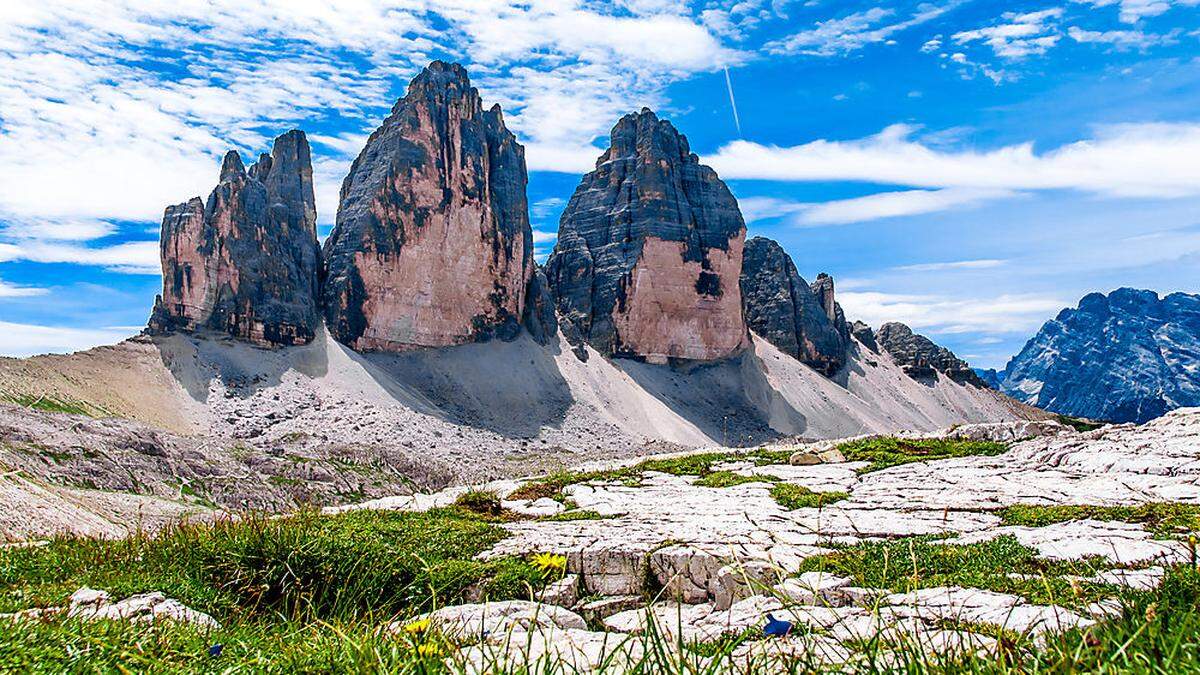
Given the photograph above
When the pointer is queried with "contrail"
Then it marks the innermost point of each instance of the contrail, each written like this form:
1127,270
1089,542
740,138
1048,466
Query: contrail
729,85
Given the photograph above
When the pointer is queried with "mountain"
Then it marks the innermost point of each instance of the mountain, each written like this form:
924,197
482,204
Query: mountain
799,319
432,245
921,358
245,263
1128,356
274,373
649,251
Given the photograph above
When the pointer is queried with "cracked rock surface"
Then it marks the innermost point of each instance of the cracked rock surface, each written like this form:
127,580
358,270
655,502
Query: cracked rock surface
722,559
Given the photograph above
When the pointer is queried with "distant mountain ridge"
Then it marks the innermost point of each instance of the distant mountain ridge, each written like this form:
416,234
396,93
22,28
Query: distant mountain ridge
1128,356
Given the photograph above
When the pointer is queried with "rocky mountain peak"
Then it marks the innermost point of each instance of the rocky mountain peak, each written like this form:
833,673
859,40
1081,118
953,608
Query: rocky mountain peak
232,167
786,311
921,358
1127,356
432,245
245,262
649,251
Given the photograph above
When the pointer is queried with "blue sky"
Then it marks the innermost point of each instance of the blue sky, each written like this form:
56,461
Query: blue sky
966,167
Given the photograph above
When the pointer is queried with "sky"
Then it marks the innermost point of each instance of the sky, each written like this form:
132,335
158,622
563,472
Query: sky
969,168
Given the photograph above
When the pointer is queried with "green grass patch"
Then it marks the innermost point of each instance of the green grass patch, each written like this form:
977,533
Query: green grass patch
54,404
907,564
1080,424
700,464
1161,518
723,479
889,451
328,567
792,497
577,514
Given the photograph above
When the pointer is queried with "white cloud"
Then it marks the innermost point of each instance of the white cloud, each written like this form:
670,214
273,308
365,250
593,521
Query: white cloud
1120,39
8,290
895,204
1009,313
1018,34
135,257
1129,160
544,208
870,207
980,264
58,230
18,339
83,107
1132,11
542,237
854,31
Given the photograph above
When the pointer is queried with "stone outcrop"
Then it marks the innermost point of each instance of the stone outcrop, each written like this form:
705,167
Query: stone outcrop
782,308
865,336
245,262
649,251
921,358
432,245
1129,356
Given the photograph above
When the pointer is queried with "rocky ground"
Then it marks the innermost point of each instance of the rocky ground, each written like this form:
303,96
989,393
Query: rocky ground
188,424
712,561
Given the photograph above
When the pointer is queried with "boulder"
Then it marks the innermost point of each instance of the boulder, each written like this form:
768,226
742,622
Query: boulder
786,311
649,252
245,263
432,245
865,336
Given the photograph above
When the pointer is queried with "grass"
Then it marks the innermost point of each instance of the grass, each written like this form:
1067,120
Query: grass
323,567
904,565
792,497
723,479
1161,518
576,514
1080,423
312,593
700,464
888,451
54,404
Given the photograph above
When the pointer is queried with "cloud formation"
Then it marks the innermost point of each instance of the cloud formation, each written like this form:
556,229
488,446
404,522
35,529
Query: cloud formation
1126,160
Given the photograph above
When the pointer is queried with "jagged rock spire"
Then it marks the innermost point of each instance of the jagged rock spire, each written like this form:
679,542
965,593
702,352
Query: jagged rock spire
649,251
432,245
245,262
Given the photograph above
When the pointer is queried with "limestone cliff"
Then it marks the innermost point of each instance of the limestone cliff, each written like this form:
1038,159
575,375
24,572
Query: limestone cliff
782,308
649,251
245,262
432,245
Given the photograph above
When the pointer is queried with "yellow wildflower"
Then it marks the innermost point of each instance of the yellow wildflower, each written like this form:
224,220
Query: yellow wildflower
429,649
548,562
418,626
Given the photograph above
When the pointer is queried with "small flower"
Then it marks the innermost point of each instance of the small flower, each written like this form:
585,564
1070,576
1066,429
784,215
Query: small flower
416,627
1152,612
549,562
429,649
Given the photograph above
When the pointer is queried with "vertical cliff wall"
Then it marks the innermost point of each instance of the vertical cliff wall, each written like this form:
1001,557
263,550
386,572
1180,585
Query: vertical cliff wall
245,262
649,251
432,245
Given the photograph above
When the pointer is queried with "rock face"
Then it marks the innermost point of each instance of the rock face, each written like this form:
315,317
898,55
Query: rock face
432,245
649,251
863,333
782,308
921,358
245,262
1125,357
